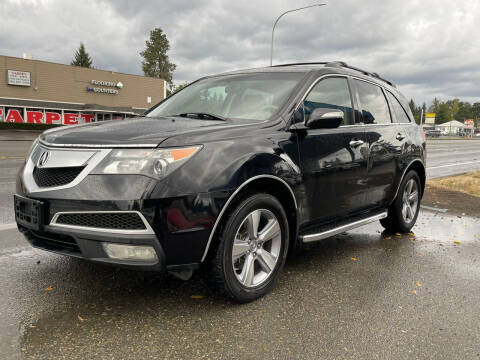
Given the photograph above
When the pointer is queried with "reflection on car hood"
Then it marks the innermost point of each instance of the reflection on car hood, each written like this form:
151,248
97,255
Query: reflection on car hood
151,131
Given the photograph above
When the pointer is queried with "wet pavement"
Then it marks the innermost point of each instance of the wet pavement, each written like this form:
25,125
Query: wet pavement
359,295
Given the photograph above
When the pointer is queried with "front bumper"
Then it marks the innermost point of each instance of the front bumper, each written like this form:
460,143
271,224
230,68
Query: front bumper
88,245
179,228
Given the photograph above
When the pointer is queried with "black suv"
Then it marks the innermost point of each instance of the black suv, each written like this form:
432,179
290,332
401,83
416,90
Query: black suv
234,171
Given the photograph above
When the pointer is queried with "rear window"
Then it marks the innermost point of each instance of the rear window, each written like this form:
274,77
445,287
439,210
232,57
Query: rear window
398,113
373,103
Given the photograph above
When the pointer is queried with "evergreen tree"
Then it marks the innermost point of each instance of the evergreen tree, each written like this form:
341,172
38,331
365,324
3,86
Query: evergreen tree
82,58
412,106
155,61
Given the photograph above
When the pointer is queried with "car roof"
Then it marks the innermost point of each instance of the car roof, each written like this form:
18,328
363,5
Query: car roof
335,67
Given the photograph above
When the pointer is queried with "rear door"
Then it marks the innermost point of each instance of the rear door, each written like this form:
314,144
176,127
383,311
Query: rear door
385,142
333,160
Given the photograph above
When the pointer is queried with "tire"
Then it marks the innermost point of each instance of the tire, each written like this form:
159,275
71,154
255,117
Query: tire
401,218
243,275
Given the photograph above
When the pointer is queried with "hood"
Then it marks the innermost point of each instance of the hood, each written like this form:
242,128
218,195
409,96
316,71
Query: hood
130,132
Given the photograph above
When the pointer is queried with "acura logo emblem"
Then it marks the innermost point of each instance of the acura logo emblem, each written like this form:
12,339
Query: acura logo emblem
43,158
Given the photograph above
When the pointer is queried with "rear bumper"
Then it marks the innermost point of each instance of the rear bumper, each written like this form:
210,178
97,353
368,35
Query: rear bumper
88,245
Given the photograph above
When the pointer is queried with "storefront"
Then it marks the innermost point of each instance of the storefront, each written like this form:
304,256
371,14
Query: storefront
40,92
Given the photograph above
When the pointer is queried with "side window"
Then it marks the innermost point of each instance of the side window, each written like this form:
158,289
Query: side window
399,115
331,93
373,103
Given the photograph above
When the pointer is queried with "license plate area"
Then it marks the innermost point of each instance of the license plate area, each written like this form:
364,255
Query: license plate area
28,212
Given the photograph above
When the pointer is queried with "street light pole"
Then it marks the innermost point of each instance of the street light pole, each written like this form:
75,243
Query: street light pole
276,21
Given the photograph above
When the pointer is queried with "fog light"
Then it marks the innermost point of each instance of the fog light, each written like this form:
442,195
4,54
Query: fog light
129,252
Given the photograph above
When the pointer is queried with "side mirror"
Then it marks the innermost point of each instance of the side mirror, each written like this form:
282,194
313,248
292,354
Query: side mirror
322,118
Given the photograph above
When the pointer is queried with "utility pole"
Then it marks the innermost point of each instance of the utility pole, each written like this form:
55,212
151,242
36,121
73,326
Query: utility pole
278,18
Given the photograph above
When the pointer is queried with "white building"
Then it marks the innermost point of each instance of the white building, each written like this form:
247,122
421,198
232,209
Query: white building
453,127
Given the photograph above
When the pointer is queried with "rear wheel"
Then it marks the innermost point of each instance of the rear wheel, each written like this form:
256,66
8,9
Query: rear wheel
252,248
403,213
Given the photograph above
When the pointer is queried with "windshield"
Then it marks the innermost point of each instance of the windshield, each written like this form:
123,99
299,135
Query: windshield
249,96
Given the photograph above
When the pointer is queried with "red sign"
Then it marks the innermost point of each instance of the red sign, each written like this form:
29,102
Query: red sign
38,117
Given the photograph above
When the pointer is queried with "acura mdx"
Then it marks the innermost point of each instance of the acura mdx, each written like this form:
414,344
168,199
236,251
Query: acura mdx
234,171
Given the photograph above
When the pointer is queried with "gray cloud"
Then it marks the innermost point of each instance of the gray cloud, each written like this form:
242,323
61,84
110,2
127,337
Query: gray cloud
428,49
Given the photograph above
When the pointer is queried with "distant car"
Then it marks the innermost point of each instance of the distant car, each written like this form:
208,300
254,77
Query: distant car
433,133
233,171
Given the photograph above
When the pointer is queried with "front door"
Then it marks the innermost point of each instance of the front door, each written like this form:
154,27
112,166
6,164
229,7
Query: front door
333,161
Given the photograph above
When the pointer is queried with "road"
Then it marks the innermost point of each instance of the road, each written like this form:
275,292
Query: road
360,295
450,157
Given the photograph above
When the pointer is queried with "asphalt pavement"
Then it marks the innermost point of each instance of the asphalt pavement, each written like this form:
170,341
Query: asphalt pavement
359,295
450,157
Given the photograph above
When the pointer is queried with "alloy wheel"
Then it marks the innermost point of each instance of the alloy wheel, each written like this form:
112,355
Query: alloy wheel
410,201
256,247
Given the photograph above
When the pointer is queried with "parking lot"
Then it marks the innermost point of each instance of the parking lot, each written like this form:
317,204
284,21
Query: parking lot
360,295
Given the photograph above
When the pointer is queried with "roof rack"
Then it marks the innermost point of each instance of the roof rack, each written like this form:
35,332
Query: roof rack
340,64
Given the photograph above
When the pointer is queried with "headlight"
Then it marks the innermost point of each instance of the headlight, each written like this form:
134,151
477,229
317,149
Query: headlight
156,163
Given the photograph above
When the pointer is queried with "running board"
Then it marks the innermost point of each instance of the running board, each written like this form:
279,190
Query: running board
338,230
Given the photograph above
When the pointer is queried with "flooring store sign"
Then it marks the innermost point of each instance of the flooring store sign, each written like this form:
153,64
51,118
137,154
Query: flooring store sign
107,87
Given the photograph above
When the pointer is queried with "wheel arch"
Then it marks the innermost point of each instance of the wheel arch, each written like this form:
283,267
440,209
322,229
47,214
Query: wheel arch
418,166
265,183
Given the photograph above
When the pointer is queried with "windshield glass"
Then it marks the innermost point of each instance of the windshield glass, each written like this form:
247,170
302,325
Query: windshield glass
249,96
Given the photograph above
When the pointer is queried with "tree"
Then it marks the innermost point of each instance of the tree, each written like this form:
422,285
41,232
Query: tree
174,88
412,106
155,61
476,112
82,58
443,114
435,106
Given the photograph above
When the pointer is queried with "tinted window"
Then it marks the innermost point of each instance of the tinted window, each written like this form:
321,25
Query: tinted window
373,103
331,93
398,114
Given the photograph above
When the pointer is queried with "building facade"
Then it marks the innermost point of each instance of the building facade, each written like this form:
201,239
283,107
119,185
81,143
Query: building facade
41,92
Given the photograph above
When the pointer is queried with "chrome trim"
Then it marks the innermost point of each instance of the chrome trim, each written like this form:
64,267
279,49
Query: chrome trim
97,146
365,125
31,186
333,115
338,230
355,143
233,196
147,231
61,158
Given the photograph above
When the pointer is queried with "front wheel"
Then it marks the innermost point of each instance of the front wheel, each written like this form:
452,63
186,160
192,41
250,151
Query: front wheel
403,213
251,249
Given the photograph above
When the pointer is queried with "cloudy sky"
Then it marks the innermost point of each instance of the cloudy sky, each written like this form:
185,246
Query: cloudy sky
430,48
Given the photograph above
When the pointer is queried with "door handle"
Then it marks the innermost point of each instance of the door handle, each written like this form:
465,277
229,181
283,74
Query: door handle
400,137
356,143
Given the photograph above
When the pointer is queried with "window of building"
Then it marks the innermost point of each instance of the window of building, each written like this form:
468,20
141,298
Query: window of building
373,103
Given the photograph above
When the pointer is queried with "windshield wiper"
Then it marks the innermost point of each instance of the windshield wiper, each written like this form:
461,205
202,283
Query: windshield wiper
202,116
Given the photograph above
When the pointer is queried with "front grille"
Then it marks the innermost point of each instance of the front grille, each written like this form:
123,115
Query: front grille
48,177
120,221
